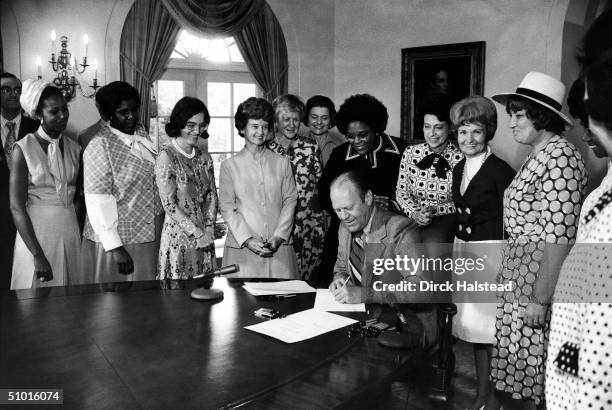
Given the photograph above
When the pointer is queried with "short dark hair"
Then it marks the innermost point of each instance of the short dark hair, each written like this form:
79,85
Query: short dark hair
475,109
599,88
575,101
363,108
541,117
6,74
597,42
252,108
437,104
359,179
183,110
48,91
324,102
110,96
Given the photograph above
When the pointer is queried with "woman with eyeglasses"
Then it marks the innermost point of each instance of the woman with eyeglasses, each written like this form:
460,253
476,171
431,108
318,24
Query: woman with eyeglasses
186,183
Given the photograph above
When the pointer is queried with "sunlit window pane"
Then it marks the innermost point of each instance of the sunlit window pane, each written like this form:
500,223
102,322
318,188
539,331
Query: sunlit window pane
238,141
168,93
242,91
217,51
217,160
235,54
219,97
220,130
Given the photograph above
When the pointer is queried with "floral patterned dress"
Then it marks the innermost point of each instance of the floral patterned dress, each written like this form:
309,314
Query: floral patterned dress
310,220
189,197
541,205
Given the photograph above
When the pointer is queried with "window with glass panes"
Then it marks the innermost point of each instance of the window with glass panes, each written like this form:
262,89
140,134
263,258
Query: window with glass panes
223,100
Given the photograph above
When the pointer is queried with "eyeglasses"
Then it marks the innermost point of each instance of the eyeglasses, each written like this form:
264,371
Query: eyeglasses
192,126
9,90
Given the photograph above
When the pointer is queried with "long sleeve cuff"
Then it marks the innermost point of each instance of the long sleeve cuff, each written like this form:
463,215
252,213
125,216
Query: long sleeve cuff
104,219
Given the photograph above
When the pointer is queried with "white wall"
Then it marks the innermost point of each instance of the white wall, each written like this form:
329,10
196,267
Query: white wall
26,35
521,35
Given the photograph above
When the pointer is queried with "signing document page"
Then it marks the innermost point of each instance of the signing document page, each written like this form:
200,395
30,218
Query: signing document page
301,326
325,301
285,287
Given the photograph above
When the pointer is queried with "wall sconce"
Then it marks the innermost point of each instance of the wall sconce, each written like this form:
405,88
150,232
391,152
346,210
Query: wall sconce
67,69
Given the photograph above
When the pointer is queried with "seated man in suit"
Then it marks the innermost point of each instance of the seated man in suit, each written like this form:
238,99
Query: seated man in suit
385,233
13,127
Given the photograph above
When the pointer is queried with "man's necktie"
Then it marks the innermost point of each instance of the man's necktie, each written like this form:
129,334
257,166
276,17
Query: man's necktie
357,256
10,141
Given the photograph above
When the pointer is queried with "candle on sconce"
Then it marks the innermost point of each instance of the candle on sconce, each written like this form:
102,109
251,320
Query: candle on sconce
86,42
72,67
53,37
95,67
38,67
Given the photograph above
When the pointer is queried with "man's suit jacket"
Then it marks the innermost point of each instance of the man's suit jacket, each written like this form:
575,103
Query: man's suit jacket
397,234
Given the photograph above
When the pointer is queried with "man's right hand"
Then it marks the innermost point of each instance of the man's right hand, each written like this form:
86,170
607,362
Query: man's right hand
257,247
123,260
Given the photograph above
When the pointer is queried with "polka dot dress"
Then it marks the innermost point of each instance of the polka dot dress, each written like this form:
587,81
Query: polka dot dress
582,312
417,187
541,204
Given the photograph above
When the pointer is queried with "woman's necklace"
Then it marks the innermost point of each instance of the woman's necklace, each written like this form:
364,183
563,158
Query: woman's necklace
465,174
179,149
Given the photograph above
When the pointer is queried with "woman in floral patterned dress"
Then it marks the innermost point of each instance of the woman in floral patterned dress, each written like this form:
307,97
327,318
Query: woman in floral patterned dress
186,183
305,157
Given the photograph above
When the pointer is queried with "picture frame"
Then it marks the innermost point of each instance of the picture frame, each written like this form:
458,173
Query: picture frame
423,77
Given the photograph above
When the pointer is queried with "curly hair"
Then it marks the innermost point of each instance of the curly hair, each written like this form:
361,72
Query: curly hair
599,88
252,108
541,117
362,108
110,96
575,101
475,110
184,109
323,102
290,103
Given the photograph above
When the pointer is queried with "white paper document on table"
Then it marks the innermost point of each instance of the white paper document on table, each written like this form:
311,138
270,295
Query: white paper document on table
302,325
285,287
325,301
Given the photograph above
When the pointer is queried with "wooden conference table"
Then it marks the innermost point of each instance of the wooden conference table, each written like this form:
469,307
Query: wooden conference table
151,348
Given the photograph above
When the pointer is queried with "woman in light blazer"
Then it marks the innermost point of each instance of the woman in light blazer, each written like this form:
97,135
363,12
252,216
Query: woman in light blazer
257,197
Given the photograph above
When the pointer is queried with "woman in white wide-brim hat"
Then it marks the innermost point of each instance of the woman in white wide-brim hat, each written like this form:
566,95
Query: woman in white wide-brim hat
541,210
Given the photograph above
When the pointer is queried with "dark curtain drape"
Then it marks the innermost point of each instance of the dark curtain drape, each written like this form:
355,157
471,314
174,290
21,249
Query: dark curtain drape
147,41
262,45
152,26
220,17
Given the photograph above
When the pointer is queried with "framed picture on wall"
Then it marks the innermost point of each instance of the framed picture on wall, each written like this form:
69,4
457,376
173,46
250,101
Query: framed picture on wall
447,71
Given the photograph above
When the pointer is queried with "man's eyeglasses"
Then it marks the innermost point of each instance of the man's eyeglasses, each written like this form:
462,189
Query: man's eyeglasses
9,90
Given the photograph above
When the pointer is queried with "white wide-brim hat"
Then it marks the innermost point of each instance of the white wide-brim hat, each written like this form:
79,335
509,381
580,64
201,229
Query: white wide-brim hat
542,89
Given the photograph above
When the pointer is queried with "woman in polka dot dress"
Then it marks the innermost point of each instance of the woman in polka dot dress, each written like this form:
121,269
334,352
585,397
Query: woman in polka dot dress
541,209
579,362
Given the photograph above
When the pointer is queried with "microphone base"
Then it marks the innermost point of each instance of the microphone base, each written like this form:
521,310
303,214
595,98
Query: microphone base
206,294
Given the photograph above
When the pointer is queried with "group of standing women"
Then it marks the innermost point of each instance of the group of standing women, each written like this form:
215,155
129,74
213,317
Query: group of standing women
267,196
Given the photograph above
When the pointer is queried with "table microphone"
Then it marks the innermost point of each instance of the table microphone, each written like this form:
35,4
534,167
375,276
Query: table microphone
211,294
224,270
